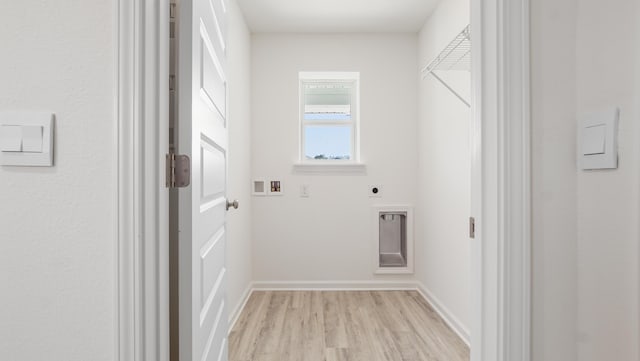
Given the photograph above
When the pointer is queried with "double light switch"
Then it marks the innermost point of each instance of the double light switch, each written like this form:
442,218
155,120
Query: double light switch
26,139
21,138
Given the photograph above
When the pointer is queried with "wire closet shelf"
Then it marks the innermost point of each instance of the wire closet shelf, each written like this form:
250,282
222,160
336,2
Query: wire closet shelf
454,57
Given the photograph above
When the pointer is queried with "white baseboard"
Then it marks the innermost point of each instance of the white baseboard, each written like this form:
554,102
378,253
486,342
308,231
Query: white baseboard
372,285
458,327
235,314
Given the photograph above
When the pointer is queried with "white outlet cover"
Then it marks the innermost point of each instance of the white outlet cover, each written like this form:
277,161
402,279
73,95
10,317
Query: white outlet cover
305,190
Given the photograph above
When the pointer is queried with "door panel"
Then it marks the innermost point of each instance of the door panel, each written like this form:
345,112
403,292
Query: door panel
213,181
212,84
202,94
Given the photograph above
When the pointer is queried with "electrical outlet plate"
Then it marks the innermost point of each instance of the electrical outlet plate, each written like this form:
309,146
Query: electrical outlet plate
375,191
305,190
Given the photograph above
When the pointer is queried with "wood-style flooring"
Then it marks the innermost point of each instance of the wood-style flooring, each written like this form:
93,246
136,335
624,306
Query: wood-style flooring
342,325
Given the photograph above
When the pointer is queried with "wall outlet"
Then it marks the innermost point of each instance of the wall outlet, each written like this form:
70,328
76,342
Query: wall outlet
305,191
375,191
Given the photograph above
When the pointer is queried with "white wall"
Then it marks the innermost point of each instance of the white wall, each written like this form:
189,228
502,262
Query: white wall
554,276
239,172
443,259
608,214
57,225
585,224
328,235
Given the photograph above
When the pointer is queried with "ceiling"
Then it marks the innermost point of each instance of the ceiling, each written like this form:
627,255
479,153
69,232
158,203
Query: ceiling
336,16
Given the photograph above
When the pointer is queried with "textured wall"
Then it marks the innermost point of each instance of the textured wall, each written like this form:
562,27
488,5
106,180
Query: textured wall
608,201
57,225
585,223
553,27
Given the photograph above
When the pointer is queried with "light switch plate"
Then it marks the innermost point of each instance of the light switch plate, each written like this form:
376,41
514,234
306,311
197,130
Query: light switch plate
598,140
36,138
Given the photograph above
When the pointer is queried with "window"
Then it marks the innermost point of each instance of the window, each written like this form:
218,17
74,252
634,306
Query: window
329,117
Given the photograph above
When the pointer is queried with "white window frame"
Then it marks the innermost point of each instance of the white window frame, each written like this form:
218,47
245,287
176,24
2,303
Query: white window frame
354,123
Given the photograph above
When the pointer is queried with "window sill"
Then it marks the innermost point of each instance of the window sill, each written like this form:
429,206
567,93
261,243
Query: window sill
331,168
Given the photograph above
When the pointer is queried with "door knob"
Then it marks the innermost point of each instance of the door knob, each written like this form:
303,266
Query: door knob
233,204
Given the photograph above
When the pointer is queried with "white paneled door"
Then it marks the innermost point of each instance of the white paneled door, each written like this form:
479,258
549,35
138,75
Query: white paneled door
202,127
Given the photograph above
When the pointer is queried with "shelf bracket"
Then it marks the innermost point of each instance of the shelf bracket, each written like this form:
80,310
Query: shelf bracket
450,89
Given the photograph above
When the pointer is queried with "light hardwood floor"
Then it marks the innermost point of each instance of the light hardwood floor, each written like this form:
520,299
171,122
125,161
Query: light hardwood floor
342,325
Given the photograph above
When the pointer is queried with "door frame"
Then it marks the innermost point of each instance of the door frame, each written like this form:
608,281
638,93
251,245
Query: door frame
500,327
142,268
501,186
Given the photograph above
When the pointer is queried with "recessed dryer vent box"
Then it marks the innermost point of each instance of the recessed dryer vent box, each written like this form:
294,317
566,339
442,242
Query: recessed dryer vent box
598,140
393,239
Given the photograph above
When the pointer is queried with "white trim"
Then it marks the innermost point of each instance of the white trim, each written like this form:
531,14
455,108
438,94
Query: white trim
500,328
331,75
449,318
518,186
366,285
476,324
127,308
237,311
329,168
393,271
142,281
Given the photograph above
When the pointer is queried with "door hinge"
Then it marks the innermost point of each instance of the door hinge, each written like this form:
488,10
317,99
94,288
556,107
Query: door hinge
472,227
178,171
